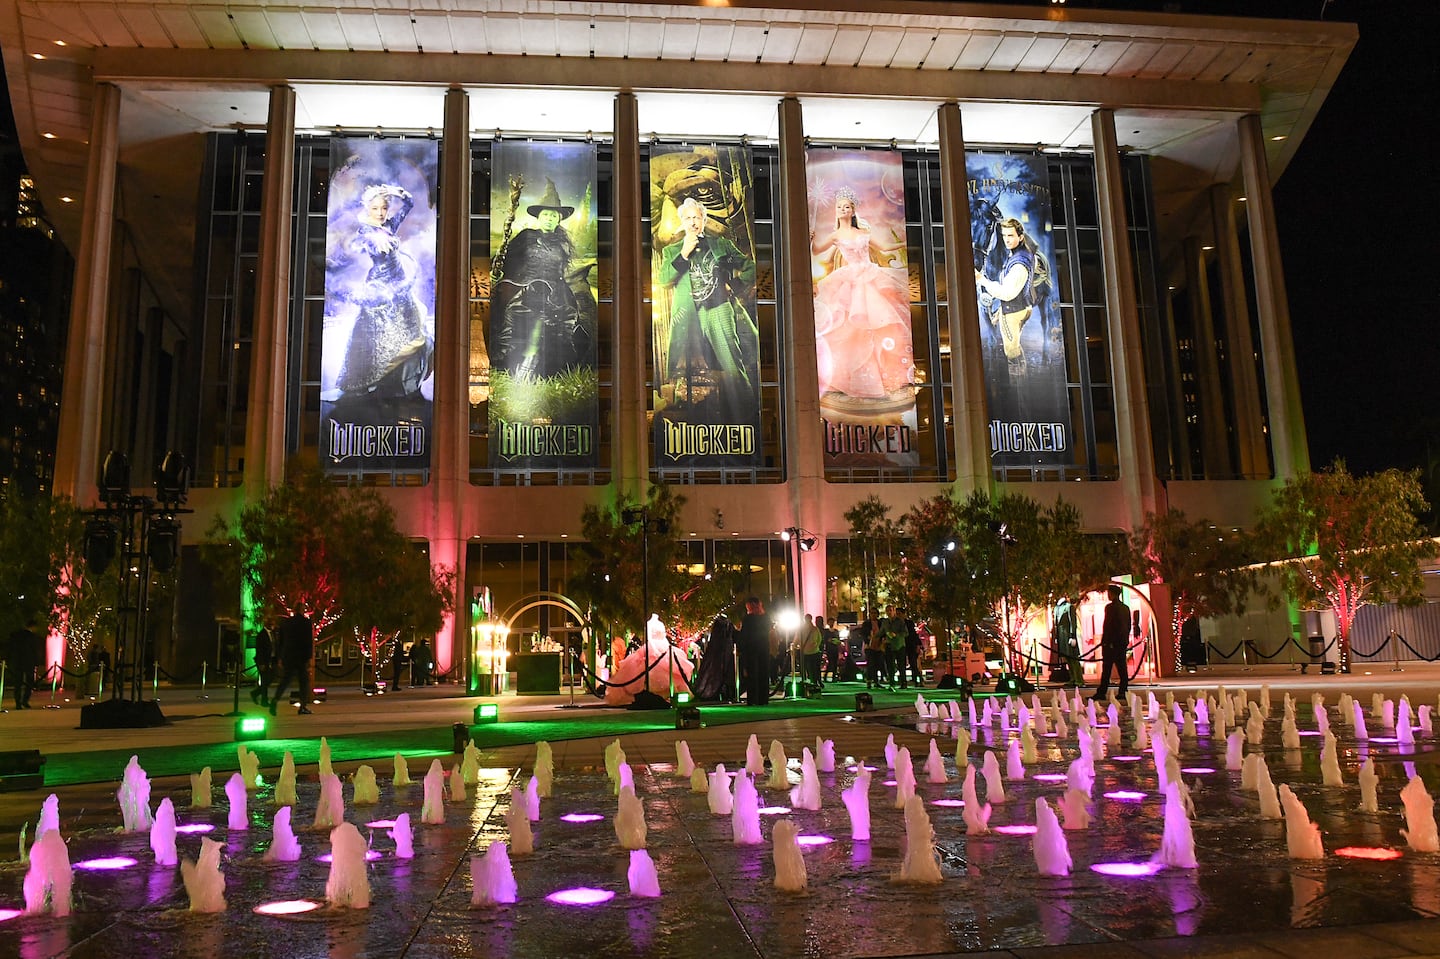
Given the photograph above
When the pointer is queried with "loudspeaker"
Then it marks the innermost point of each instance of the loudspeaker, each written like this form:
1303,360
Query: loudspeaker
648,700
687,717
122,714
21,769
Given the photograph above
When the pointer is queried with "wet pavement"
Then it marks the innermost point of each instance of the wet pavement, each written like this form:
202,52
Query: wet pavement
1246,898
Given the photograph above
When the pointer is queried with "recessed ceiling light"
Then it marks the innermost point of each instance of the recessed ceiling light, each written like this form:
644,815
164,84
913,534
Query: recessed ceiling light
38,56
67,199
48,136
1244,198
59,43
1278,137
1207,248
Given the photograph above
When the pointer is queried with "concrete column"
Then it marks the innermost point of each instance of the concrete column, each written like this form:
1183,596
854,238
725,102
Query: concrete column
971,433
450,451
77,455
1132,410
1214,442
630,456
1288,443
1175,396
1254,458
269,346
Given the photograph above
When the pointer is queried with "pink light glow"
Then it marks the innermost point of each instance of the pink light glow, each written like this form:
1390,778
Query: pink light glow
288,908
891,782
1383,739
1127,759
1125,795
581,817
1129,870
370,856
813,840
7,914
190,827
856,769
580,896
1310,732
1018,830
773,810
1052,735
1380,853
1050,777
113,862
381,824
1197,770
947,802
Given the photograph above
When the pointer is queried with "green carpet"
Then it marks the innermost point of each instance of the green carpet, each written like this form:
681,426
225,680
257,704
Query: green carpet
65,769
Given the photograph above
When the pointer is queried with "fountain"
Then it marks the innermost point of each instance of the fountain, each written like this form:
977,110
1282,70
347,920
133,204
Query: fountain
134,797
285,785
204,882
1289,735
401,836
432,810
614,759
322,767
1269,798
1369,783
532,800
807,794
990,769
49,876
330,807
1075,809
1177,842
644,881
825,754
721,800
1250,771
1052,852
1387,713
200,789
366,789
904,777
1404,730
1265,701
402,772
1255,729
1014,767
987,718
249,767
921,864
962,748
283,845
49,816
754,761
1061,729
1234,744
684,765
1330,762
162,834
789,863
1080,777
545,767
745,815
935,765
348,886
630,826
1357,720
977,817
970,706
1423,717
457,783
470,763
891,751
235,792
1420,832
522,837
1202,711
857,803
1302,836
699,781
779,767
491,878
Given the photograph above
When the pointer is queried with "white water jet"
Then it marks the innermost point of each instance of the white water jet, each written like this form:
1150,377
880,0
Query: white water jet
644,880
456,783
330,808
49,816
1014,766
1255,730
684,764
790,875
977,817
284,847
492,880
532,800
204,882
1330,762
890,751
1112,733
1142,733
1234,746
745,816
1289,734
722,801
1177,842
1097,743
162,834
921,864
1387,714
970,706
1269,797
1419,832
366,791
1202,711
235,792
1250,771
935,765
545,767
614,759
962,748
432,809
402,837
1074,809
285,794
1062,729
626,776
1423,717
49,876
1404,731
857,804
990,769
1029,754
470,763
904,778
249,767
134,797
1265,701
1377,705
1357,720
754,761
402,772
1052,852
1302,837
200,789
807,794
825,754
630,827
522,837
699,781
779,767
348,886
322,765
1080,777
1369,786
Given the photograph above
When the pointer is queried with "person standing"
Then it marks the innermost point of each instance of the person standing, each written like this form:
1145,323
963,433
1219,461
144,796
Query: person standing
1114,640
297,644
812,640
420,663
755,632
876,665
24,656
912,650
1066,639
893,626
264,663
830,648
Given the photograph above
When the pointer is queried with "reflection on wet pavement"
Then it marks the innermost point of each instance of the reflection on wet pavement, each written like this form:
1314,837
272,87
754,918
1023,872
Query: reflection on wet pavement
718,898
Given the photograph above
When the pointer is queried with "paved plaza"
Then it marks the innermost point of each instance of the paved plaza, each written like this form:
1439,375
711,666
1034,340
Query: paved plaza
1246,898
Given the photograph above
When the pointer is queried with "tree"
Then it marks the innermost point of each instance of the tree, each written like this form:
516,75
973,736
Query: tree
1341,541
1206,572
42,538
875,534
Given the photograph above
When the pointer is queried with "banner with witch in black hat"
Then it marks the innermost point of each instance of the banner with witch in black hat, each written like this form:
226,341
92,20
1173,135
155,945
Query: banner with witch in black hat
544,387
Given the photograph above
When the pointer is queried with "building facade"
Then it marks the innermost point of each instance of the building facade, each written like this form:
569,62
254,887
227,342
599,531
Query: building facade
454,253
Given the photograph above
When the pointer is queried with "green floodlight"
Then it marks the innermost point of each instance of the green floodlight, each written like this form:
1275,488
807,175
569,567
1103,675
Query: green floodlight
248,728
682,698
487,713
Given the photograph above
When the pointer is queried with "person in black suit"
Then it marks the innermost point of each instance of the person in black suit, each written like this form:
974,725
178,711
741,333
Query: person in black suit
297,644
1114,640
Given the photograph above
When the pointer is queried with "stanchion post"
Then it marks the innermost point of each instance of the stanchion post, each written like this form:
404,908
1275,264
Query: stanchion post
1394,640
204,678
155,680
3,666
54,681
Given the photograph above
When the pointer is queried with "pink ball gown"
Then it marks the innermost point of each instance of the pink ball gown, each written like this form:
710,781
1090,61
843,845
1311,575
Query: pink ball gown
862,325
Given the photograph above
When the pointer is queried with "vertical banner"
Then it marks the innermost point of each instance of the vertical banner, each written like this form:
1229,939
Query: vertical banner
1024,360
706,341
863,346
544,387
378,341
